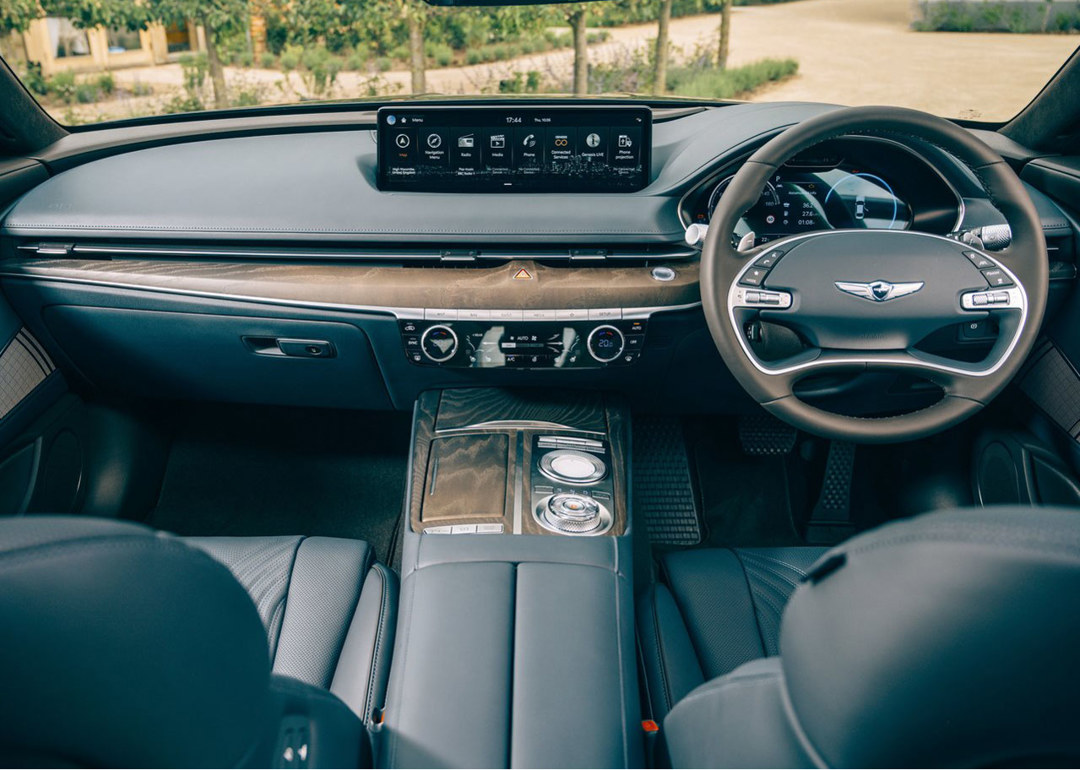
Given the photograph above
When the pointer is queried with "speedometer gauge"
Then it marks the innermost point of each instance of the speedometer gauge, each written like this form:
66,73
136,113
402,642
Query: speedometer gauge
768,200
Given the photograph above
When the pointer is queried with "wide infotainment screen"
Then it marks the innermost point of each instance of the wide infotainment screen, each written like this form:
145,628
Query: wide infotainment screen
525,149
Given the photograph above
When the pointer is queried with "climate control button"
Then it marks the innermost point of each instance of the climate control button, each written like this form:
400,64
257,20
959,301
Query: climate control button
606,343
439,343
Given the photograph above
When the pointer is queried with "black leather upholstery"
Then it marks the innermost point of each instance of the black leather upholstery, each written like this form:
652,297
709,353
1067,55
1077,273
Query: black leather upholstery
127,647
946,640
715,610
325,605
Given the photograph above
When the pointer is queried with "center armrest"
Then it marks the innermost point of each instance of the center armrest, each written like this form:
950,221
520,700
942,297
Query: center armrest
515,658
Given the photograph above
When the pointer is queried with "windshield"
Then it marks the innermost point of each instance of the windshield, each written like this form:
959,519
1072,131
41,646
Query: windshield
89,61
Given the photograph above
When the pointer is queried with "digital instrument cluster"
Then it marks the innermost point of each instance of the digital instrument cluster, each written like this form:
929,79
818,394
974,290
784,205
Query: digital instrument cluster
525,149
797,200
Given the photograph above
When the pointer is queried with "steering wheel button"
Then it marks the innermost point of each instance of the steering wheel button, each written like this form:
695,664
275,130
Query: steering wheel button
770,259
979,260
754,276
980,299
1000,296
753,296
996,277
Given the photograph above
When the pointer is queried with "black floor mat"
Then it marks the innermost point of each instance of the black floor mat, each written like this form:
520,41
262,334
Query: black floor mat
745,501
663,490
268,471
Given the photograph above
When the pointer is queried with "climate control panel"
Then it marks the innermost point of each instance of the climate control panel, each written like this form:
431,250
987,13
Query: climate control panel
512,341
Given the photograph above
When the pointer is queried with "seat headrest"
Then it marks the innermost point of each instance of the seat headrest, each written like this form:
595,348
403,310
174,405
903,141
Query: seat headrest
124,647
947,640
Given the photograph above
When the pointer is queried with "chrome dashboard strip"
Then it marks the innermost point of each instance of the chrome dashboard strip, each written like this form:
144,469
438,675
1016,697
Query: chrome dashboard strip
402,313
43,248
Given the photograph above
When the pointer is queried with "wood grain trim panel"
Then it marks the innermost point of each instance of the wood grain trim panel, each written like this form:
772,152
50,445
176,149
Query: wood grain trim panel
367,286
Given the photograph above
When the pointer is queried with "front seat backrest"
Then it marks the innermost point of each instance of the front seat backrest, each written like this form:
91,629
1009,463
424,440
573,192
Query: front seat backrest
123,647
946,640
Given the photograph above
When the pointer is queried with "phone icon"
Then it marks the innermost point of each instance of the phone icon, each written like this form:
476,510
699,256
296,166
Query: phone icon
530,141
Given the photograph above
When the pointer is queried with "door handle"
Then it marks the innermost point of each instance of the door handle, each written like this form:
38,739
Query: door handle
290,347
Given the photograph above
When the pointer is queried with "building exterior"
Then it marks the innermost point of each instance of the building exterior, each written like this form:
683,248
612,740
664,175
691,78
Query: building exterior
56,44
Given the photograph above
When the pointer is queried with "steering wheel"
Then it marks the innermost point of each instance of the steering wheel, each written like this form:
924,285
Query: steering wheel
862,300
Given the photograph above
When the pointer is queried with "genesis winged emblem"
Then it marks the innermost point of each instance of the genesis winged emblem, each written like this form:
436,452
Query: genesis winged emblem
879,291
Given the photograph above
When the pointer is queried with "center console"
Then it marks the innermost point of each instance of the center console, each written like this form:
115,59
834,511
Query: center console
515,641
489,461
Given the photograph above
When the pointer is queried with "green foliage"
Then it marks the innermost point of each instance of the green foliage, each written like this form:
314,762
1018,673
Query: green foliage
698,77
195,68
356,62
519,84
319,70
34,80
217,16
290,57
16,15
998,16
442,53
106,83
730,83
267,60
62,86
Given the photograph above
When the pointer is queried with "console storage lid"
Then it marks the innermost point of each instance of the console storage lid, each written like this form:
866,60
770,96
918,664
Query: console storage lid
515,657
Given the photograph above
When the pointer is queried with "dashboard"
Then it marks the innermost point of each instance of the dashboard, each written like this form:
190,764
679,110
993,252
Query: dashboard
243,252
850,183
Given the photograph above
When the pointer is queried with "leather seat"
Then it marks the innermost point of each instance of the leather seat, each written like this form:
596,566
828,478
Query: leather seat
136,648
945,640
328,607
714,610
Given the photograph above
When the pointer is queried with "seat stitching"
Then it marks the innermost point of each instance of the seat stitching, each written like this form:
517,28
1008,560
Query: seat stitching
682,613
762,557
750,593
664,689
285,600
763,571
376,652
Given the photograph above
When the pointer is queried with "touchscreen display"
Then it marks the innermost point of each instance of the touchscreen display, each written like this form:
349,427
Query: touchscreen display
526,149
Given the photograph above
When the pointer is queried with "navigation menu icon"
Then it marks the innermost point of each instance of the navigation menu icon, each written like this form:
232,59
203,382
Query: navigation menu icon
434,141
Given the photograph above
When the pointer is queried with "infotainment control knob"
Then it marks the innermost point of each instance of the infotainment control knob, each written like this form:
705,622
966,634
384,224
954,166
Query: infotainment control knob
439,343
606,343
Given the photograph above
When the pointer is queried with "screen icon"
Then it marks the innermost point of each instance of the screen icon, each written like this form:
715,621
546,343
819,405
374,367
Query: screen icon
402,141
434,141
529,141
391,120
468,141
593,140
498,141
625,141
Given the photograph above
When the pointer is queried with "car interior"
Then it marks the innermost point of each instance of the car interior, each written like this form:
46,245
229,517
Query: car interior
541,432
